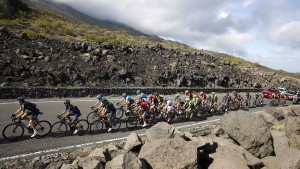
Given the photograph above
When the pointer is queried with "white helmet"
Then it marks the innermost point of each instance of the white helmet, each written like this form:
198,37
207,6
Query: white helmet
169,103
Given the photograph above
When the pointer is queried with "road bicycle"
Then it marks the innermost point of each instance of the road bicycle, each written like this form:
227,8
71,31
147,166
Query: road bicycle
15,130
102,123
62,126
133,119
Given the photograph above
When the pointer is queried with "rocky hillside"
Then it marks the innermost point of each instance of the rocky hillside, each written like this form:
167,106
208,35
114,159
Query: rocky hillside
264,140
43,49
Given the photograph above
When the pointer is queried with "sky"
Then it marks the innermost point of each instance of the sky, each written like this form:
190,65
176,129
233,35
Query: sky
262,31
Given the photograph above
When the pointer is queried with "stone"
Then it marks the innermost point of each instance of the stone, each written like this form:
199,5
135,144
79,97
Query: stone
124,161
162,130
133,142
250,131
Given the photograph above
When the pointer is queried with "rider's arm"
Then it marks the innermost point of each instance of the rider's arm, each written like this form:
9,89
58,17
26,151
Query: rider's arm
121,100
96,104
19,112
64,112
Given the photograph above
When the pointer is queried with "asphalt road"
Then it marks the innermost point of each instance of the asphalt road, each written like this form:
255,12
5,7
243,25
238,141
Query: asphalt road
51,109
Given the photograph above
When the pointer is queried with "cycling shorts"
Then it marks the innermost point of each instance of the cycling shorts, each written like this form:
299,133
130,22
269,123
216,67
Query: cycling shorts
145,111
111,114
75,116
33,114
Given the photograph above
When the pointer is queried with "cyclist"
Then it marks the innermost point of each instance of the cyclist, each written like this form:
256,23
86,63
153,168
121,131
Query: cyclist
179,101
189,94
226,101
248,98
32,110
128,101
110,109
99,101
239,100
203,98
144,108
153,104
169,110
190,108
213,100
159,97
71,111
282,99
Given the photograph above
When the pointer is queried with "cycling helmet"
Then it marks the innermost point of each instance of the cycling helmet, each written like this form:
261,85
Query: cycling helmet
247,94
169,103
201,93
213,93
187,99
187,91
21,98
177,95
138,92
124,94
104,101
99,96
67,102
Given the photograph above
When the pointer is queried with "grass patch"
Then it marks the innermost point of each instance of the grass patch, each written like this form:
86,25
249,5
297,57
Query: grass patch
278,126
30,33
69,32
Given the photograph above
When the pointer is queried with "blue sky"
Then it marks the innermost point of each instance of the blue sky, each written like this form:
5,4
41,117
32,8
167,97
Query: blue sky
263,31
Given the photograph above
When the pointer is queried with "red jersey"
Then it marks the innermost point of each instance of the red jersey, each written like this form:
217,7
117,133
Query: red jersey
144,105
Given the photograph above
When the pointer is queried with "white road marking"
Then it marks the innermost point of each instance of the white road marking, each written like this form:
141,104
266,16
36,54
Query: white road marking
87,144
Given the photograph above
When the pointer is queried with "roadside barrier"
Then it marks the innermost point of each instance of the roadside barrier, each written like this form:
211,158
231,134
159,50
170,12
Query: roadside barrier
62,92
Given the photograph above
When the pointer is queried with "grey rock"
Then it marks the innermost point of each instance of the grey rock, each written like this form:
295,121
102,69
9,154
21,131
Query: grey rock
124,161
133,141
250,131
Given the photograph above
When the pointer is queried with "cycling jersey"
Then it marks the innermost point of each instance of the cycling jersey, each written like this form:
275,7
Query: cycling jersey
129,100
30,107
204,97
74,111
153,100
180,100
144,105
197,101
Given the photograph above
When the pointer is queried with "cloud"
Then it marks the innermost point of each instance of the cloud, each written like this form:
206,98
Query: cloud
287,34
231,26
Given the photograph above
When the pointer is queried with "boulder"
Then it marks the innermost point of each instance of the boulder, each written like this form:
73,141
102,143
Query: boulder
133,142
170,153
162,130
229,154
90,163
114,151
249,131
68,166
101,153
124,161
292,130
54,165
285,157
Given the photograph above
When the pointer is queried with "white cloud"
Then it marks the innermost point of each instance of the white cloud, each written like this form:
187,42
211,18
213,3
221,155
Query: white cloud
287,34
232,42
218,25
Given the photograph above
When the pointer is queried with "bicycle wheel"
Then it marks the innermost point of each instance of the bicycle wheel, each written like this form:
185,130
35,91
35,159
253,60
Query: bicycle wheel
58,129
92,116
119,113
151,118
13,132
132,122
96,127
116,123
82,125
43,127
